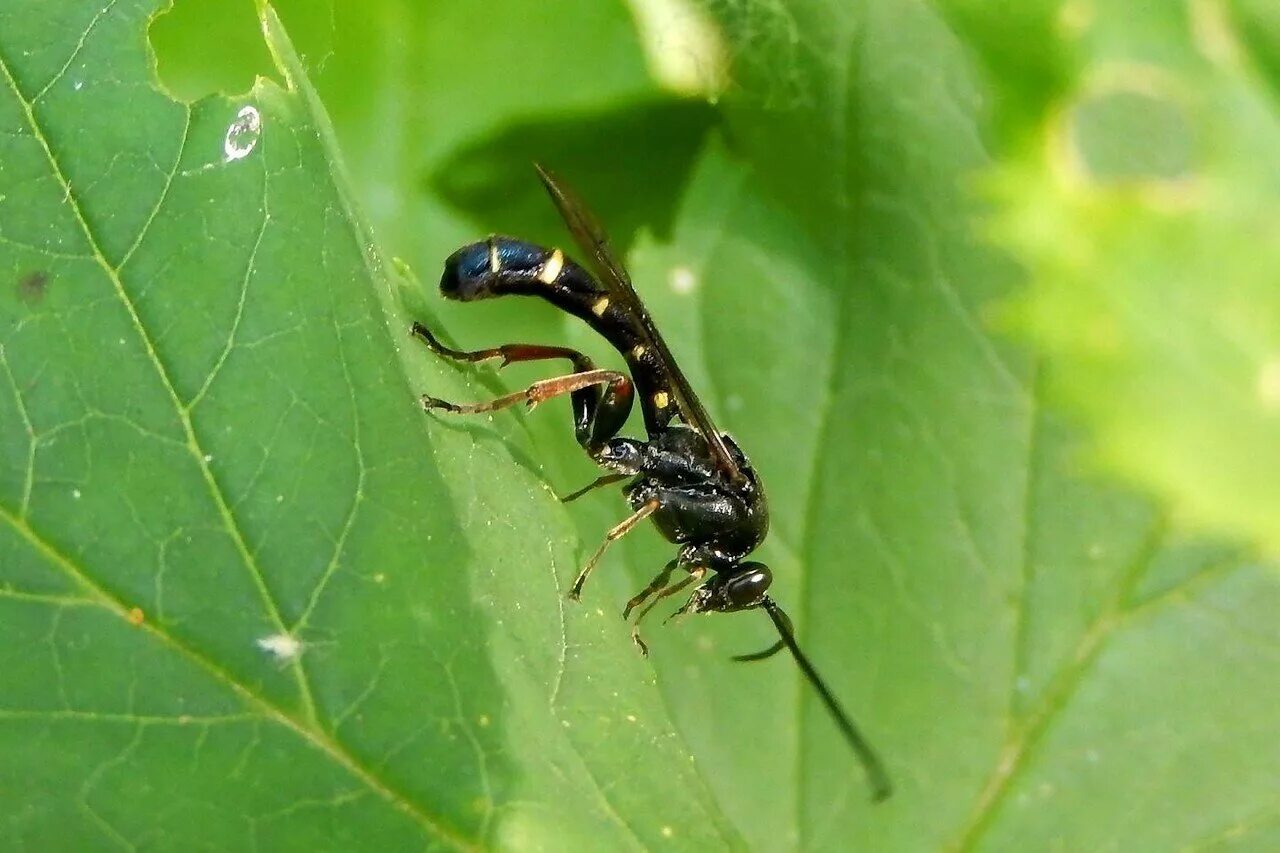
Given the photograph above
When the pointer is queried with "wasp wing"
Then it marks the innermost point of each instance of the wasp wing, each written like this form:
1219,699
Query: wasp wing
592,239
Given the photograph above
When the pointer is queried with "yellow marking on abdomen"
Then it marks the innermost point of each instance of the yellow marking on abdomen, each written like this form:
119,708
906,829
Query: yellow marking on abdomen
600,305
638,350
494,264
661,399
551,267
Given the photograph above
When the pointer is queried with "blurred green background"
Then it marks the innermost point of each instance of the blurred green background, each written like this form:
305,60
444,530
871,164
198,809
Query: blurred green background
990,292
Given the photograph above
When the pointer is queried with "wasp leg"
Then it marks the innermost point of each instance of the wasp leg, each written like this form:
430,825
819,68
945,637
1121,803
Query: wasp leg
606,480
509,353
654,585
538,392
695,575
600,405
619,530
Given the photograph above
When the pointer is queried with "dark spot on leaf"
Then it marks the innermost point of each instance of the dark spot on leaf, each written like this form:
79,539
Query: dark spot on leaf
31,287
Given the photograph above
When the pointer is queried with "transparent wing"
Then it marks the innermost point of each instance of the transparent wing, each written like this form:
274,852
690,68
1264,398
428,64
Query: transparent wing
594,242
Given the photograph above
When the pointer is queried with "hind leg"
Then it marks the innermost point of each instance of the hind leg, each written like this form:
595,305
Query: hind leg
509,353
601,398
538,392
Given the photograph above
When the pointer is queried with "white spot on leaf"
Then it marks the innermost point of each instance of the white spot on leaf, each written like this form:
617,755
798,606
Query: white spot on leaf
283,647
242,135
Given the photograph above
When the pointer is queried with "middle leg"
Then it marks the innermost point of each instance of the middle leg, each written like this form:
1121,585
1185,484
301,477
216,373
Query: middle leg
616,532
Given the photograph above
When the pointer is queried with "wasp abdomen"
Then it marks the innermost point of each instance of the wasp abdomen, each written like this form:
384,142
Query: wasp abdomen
500,266
504,265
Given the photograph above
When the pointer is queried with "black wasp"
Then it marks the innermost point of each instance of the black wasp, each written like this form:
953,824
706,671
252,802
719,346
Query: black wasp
693,480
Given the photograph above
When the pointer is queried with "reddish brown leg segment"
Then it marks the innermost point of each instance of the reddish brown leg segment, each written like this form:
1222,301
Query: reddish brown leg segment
509,353
538,392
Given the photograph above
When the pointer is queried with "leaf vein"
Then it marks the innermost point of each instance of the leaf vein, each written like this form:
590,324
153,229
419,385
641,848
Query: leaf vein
193,443
1022,743
305,730
84,38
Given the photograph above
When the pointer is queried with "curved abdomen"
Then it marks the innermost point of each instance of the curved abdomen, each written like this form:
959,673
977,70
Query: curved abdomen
504,265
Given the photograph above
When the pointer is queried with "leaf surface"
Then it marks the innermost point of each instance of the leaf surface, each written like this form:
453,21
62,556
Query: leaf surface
235,554
1044,659
238,596
1144,199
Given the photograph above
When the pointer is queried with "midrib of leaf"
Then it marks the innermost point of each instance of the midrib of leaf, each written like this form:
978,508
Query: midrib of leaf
1025,735
1020,633
1019,738
841,132
182,411
309,728
290,66
268,711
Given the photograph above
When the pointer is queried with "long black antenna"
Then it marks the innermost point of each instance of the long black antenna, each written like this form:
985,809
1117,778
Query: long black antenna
876,775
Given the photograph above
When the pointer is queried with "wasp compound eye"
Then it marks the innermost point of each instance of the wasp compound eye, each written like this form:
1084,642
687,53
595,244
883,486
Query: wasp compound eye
748,588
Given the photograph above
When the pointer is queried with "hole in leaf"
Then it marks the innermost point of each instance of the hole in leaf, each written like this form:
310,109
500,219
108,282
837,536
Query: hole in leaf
204,47
1122,136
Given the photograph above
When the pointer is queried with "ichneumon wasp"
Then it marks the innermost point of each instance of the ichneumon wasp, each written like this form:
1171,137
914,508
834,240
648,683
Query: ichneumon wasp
690,478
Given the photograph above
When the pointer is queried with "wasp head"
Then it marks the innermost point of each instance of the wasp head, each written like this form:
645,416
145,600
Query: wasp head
741,587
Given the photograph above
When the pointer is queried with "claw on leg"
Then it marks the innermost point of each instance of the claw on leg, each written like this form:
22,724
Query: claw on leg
429,403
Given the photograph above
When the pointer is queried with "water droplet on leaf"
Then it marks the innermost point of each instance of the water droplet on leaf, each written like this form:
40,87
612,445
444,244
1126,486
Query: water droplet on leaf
242,135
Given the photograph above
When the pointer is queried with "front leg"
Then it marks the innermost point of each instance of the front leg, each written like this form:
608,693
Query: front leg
658,582
695,575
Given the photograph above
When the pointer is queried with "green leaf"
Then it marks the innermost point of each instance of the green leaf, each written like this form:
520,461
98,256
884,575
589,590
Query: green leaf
1145,202
241,605
1044,660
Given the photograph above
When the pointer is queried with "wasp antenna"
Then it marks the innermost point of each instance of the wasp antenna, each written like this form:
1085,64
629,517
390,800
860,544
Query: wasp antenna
876,774
760,655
